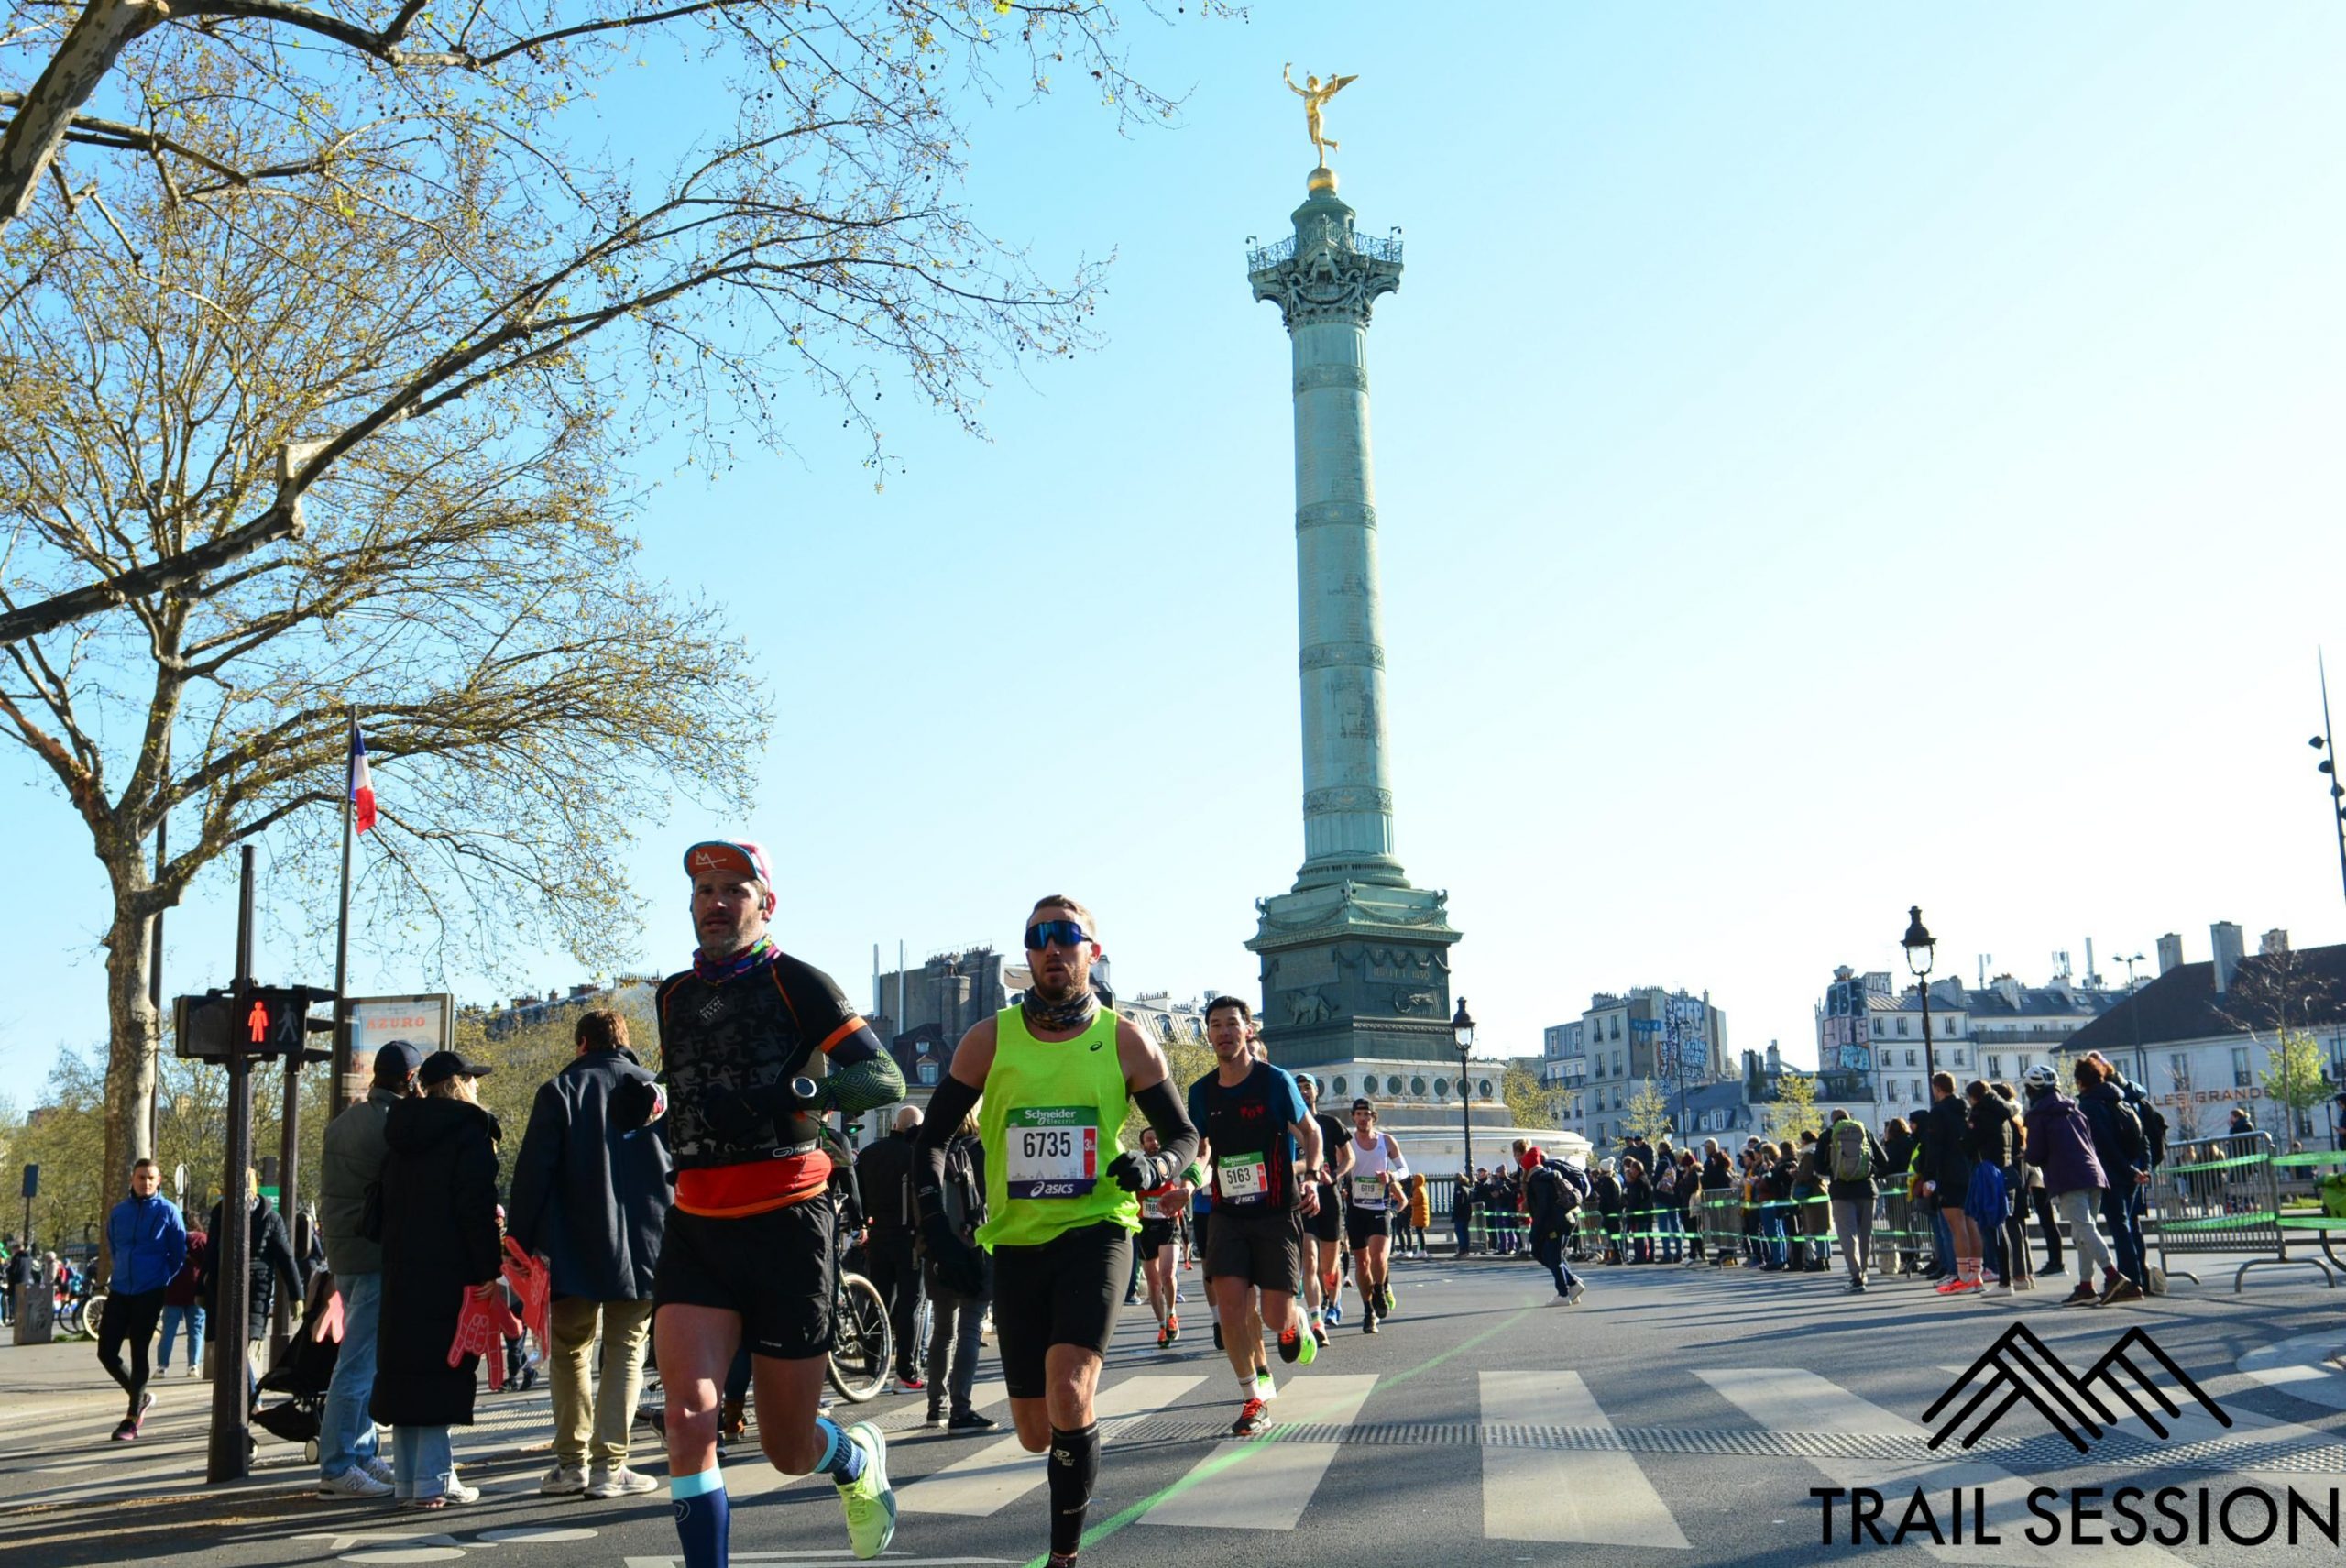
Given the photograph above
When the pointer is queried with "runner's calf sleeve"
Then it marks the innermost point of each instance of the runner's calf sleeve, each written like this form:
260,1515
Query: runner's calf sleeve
704,1517
1074,1470
1177,1140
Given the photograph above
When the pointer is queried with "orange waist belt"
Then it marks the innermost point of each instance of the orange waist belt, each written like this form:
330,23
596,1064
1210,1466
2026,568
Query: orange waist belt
731,1192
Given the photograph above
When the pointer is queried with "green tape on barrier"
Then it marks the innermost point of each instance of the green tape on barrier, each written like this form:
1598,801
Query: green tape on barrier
2220,1222
2219,1164
2334,1158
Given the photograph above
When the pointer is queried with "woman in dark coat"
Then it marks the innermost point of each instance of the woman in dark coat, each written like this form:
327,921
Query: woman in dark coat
1997,1186
439,1245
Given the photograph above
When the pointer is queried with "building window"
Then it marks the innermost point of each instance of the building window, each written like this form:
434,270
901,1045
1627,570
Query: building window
1877,1028
1910,1058
1485,1086
1441,1088
928,1072
2241,1078
1616,1026
1339,1086
1995,1069
1418,1086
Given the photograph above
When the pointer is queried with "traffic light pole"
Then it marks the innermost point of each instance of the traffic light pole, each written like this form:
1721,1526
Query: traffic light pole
288,1194
229,1456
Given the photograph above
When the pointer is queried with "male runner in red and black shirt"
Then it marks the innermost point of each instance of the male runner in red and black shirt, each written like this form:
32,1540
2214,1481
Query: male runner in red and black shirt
748,1250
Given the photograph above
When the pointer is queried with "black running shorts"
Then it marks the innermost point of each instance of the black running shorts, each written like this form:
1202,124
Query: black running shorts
1156,1235
1362,1223
774,1268
1327,1223
1066,1290
1265,1250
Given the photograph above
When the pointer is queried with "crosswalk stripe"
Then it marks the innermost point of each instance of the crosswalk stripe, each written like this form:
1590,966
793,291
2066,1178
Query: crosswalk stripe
1802,1401
1532,1493
1003,1472
1271,1487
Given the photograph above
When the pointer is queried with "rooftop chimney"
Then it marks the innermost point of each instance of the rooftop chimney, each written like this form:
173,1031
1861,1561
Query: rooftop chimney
2276,940
2170,952
2225,938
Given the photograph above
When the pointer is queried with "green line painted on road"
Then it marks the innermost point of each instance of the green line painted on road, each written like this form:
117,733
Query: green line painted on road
1213,1468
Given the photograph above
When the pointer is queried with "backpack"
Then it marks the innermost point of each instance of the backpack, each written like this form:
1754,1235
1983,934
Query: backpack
1850,1160
2153,1130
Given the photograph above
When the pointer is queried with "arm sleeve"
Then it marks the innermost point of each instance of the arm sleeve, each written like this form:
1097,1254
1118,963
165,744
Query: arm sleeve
1176,1136
859,1085
1399,1167
953,1101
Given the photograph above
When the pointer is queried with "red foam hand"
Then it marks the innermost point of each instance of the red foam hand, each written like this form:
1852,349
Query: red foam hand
329,1320
532,1285
483,1324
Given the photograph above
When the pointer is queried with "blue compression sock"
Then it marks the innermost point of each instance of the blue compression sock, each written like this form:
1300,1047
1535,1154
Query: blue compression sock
842,1458
704,1517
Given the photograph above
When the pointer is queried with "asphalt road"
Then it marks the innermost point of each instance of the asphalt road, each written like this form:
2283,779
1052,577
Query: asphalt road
1672,1416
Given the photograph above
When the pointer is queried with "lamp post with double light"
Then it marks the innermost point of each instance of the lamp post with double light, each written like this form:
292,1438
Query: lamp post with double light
1461,1030
1922,948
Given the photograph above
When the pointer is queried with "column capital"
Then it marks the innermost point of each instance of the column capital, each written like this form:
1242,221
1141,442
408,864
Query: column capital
1327,271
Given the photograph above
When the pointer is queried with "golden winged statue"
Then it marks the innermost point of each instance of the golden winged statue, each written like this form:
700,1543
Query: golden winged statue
1315,93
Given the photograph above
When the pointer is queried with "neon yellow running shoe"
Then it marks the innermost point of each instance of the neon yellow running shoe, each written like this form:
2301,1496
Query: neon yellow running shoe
870,1501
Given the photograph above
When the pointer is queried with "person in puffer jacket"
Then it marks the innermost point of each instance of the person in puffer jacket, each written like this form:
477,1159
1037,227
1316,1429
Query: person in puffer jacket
2060,1143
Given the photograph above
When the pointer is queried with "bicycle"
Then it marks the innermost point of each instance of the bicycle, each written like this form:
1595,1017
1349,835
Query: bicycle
861,1342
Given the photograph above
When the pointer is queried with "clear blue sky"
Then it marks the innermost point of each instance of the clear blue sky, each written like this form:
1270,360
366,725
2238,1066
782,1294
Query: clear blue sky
1829,459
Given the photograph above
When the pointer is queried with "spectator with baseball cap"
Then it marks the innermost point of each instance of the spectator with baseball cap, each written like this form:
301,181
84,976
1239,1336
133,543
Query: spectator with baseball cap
351,1165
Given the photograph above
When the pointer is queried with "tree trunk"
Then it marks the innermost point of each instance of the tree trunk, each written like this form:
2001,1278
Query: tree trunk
133,1035
96,39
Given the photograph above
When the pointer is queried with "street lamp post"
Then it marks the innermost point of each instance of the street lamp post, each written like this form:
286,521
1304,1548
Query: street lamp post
2327,744
1461,1028
1920,949
2135,1019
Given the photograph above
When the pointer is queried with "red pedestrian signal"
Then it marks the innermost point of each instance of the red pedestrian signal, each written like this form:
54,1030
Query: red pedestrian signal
257,1022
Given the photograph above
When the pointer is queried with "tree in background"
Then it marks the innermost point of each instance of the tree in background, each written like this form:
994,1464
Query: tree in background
1647,1115
329,392
2293,1079
1531,1102
1793,1109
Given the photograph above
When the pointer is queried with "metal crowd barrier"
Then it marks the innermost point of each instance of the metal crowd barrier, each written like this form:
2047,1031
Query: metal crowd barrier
2222,1195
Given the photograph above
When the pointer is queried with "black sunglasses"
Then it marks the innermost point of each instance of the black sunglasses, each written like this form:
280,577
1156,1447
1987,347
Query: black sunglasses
1065,933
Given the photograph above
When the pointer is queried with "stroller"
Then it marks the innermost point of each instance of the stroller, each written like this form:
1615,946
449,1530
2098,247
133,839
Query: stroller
301,1372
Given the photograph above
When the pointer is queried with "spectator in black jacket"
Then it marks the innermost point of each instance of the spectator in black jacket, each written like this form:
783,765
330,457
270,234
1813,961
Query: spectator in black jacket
883,1172
271,1256
957,1321
1898,1210
592,1200
1946,1179
1462,1207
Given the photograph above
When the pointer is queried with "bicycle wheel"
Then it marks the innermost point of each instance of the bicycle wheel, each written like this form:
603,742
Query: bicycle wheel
94,1312
859,1339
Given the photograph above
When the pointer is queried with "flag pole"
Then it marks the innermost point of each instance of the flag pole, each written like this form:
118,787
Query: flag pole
338,1094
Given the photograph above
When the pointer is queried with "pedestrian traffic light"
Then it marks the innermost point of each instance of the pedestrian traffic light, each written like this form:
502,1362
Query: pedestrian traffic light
272,1021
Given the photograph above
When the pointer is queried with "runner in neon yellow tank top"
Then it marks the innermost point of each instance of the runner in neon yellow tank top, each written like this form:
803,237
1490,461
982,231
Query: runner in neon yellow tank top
1056,1075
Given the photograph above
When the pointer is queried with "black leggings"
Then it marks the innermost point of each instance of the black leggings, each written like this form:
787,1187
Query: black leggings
2049,1225
129,1319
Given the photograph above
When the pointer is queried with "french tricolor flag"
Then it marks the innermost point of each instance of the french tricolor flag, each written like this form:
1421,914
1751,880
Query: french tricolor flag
362,781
